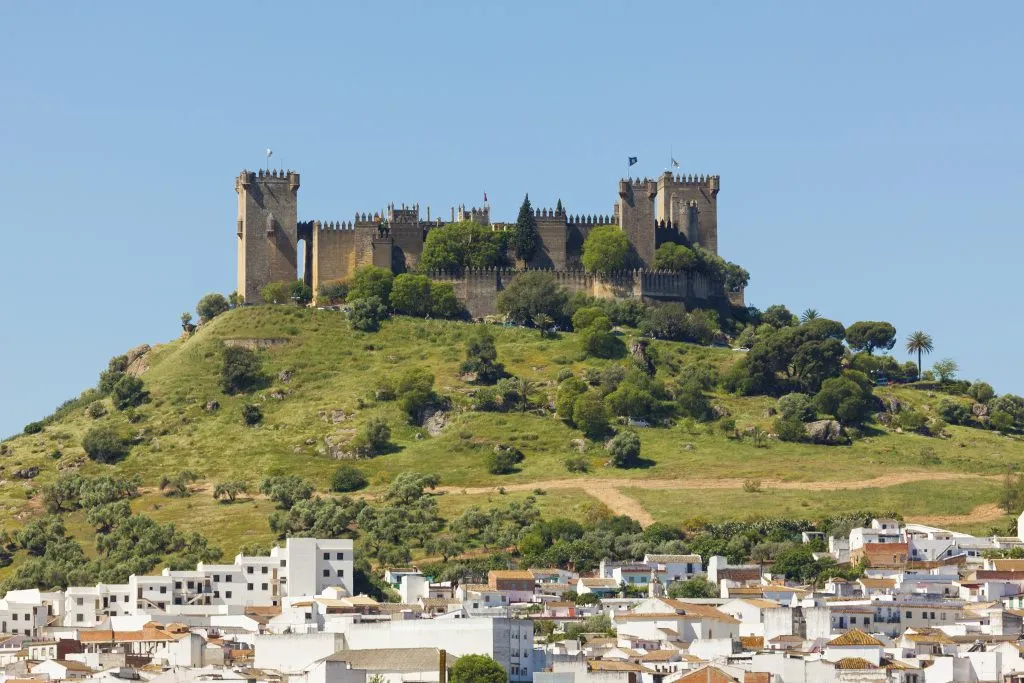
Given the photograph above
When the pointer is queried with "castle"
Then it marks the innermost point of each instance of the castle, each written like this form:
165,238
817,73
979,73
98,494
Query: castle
672,208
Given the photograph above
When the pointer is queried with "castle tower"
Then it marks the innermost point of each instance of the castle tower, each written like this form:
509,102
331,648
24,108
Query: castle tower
690,202
636,216
267,230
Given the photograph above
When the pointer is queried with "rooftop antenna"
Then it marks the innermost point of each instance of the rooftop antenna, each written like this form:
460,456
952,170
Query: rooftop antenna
270,153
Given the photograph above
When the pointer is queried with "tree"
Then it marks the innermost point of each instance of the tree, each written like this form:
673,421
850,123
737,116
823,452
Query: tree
982,392
277,292
210,306
241,370
797,406
230,489
453,247
946,369
477,669
300,292
372,438
672,256
848,398
128,392
104,443
482,357
529,294
503,459
415,392
625,449
178,485
371,281
545,323
868,335
410,295
809,314
235,299
186,320
1011,496
605,250
347,478
778,316
565,399
332,292
367,314
590,415
696,587
444,303
525,238
286,490
919,342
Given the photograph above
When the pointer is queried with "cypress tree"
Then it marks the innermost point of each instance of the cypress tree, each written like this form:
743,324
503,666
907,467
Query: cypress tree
525,240
558,206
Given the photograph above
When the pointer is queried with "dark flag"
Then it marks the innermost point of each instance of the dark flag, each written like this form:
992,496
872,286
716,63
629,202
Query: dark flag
632,160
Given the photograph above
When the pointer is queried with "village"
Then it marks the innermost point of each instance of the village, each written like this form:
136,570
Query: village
931,606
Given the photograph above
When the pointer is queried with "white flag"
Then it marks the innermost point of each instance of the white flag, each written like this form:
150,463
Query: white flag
270,152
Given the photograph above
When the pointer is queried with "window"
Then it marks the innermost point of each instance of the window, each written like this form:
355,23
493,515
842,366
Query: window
263,586
216,594
80,602
229,578
339,556
227,595
177,601
161,605
216,577
341,572
263,569
284,563
177,585
327,556
125,598
248,586
908,614
163,589
308,616
327,572
933,615
14,617
79,617
248,570
191,584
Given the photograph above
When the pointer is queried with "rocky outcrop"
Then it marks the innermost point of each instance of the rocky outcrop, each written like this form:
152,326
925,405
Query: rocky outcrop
824,432
138,361
979,410
638,351
255,343
435,421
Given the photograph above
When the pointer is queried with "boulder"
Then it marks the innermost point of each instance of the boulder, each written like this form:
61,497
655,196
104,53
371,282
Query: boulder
338,415
26,473
435,421
824,432
979,410
638,351
579,445
719,411
337,444
277,395
211,406
137,361
770,412
884,419
285,375
892,405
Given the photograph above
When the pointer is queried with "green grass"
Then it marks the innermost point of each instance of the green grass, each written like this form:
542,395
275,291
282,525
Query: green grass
337,368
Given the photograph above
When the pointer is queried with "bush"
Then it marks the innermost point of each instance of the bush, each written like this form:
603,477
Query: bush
692,401
605,250
590,316
477,669
241,370
482,356
982,392
563,374
909,420
371,281
210,306
530,294
590,415
368,313
332,293
565,400
577,463
444,303
953,412
671,321
287,490
251,414
277,293
96,410
598,343
625,449
34,427
503,459
456,246
347,478
128,392
410,295
670,256
415,391
373,437
752,485
486,399
104,443
797,406
848,398
790,429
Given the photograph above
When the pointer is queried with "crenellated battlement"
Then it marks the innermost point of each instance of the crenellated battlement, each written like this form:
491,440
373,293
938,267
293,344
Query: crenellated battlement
590,220
548,213
333,226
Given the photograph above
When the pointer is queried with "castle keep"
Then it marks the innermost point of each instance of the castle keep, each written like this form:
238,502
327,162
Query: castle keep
673,208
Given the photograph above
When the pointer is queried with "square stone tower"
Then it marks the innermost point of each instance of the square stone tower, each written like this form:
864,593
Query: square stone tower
267,230
690,203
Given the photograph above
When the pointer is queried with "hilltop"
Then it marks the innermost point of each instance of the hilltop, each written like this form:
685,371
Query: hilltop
322,385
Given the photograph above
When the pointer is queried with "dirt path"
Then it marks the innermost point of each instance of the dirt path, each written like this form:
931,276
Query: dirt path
608,491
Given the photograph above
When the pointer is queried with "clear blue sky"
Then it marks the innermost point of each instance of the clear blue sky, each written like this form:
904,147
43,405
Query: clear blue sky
870,153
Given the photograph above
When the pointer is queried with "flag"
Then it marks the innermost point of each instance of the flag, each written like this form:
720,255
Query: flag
485,197
675,164
270,152
632,160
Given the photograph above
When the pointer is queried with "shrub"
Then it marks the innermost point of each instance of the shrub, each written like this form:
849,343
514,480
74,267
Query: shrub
625,449
486,399
34,427
444,303
367,313
300,292
371,281
565,399
600,343
241,370
477,669
332,293
752,485
251,414
415,391
590,316
104,443
909,420
456,246
532,293
230,489
605,249
179,485
849,398
577,463
790,429
96,410
936,427
287,490
670,256
347,478
277,293
692,400
128,392
482,357
503,459
797,406
953,412
982,392
671,321
590,415
563,374
372,438
210,306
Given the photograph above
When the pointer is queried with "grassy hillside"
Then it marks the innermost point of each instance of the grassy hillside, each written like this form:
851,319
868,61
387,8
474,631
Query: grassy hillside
694,471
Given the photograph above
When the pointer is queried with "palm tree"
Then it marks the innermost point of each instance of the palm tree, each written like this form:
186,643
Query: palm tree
919,342
809,314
